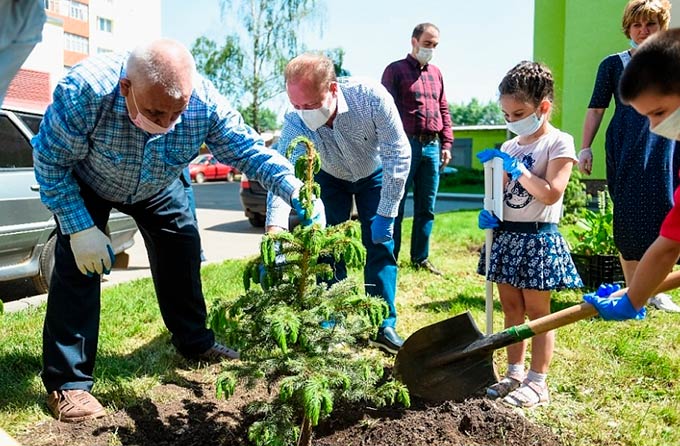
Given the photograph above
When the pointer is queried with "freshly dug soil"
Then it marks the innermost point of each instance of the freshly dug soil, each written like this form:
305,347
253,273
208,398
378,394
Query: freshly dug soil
187,413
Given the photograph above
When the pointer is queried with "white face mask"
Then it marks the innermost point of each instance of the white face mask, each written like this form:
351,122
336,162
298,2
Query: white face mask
669,127
424,55
526,126
317,117
147,124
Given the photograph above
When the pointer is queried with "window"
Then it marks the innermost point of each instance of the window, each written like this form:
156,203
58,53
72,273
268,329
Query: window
101,50
76,43
105,25
32,121
16,150
78,11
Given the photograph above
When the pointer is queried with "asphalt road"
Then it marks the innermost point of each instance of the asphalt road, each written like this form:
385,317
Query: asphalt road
225,234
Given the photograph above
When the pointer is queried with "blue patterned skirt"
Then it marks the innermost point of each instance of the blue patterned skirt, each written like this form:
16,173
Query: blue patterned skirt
536,261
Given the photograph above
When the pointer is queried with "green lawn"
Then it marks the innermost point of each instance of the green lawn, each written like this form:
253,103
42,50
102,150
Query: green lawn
611,383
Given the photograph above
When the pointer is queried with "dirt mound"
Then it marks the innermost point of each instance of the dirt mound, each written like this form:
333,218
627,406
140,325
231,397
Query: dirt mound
474,422
187,413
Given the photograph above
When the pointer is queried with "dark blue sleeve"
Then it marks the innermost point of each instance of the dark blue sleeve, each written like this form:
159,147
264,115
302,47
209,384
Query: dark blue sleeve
605,83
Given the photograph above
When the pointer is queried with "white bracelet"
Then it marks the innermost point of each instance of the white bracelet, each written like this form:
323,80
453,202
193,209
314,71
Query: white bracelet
586,148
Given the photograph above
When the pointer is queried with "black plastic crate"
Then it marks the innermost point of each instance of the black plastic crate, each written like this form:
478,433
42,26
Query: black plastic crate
598,269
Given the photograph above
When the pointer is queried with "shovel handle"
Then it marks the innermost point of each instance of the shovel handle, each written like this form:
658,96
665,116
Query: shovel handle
585,310
561,318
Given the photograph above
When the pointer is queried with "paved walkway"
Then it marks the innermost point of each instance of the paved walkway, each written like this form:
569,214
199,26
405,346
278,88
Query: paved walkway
225,234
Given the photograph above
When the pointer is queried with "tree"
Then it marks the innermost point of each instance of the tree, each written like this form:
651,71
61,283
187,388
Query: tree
258,54
300,335
337,55
476,113
221,65
266,119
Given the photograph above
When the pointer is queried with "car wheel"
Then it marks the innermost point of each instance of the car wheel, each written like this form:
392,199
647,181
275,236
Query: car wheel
200,177
257,220
42,280
230,176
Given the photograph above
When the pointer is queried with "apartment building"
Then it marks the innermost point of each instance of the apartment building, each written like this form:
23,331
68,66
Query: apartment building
76,29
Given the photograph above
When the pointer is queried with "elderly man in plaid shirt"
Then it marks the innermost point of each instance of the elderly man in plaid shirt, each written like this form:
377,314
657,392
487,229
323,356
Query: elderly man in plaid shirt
119,132
418,90
364,153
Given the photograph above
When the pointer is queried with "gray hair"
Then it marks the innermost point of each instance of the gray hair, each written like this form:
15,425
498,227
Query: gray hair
162,62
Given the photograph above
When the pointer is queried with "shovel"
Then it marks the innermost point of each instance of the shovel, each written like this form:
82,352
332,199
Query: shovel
452,359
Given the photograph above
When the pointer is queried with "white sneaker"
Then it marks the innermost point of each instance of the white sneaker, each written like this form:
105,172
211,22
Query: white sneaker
663,301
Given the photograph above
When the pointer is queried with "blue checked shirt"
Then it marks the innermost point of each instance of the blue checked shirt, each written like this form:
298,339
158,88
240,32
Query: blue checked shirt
367,133
86,131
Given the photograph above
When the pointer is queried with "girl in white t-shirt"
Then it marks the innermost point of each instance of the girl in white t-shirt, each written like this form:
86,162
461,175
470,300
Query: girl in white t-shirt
529,257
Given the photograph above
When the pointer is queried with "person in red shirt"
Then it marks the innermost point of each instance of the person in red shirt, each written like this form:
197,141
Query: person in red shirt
417,87
651,84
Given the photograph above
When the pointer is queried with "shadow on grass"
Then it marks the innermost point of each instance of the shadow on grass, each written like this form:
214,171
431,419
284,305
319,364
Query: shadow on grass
157,358
457,304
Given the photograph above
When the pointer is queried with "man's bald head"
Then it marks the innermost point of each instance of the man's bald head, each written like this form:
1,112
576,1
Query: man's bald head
162,63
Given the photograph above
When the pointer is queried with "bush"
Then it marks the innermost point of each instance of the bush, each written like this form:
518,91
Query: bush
595,230
575,198
464,176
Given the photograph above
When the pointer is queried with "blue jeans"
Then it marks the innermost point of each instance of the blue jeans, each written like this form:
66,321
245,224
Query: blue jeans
424,178
71,330
380,272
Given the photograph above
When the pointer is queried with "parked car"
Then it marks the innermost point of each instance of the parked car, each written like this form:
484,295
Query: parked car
27,227
254,201
206,168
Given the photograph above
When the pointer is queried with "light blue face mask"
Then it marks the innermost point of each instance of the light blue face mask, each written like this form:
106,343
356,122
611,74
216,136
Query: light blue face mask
633,44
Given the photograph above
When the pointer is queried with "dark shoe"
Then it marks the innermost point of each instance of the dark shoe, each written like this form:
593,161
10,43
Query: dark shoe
217,353
388,340
428,266
73,406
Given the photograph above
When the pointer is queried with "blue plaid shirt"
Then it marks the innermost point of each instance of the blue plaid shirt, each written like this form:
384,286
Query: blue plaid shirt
367,133
86,131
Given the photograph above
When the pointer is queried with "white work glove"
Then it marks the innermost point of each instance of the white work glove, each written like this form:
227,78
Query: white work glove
585,160
92,251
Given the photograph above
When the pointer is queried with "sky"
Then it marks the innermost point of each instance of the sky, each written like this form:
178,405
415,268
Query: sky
479,40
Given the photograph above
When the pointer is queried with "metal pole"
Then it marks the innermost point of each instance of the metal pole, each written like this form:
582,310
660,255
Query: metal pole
489,206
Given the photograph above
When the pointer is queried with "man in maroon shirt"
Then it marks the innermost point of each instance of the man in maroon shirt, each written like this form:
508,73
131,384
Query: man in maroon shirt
418,90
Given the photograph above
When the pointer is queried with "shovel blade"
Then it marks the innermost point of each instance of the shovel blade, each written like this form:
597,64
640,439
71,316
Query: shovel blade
455,380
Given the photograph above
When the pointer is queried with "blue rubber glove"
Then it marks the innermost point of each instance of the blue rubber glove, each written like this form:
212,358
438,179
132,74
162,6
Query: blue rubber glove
382,229
318,212
488,154
613,308
511,165
487,220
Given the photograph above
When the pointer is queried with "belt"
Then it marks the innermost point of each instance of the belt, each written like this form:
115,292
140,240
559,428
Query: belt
527,227
424,138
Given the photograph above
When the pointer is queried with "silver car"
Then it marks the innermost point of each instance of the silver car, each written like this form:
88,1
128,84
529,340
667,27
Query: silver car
27,228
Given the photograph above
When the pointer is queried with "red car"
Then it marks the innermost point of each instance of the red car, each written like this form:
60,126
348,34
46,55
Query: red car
206,167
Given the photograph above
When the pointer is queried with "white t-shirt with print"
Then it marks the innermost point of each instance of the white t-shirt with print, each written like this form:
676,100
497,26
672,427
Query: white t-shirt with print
518,204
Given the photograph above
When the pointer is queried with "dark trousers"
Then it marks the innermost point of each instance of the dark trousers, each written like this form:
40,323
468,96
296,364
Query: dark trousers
380,272
71,330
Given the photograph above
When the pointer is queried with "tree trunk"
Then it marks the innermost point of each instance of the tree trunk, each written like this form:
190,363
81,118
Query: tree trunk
305,438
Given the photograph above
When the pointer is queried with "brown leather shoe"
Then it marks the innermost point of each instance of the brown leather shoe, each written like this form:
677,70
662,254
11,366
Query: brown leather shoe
217,353
73,406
